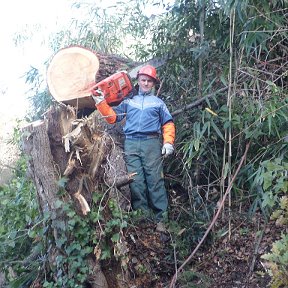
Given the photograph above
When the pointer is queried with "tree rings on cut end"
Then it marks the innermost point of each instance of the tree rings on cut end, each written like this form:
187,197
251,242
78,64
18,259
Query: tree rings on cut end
71,75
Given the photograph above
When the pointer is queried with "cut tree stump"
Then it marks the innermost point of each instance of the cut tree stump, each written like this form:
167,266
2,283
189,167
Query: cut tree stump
87,153
73,71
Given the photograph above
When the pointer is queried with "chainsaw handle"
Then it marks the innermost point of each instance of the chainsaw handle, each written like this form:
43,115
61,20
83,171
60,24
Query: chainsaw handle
96,91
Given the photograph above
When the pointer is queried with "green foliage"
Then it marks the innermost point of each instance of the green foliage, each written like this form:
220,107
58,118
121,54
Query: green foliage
278,262
260,23
19,217
275,186
74,242
270,183
39,96
78,240
281,214
29,242
205,133
275,181
191,279
259,104
258,114
112,28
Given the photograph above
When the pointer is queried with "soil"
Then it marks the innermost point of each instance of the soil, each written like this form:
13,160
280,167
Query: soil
230,260
235,260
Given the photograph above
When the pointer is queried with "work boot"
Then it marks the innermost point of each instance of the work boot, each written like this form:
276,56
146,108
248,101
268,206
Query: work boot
160,227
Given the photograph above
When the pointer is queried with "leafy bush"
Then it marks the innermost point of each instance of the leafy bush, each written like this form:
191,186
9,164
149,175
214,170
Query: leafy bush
275,186
278,262
19,217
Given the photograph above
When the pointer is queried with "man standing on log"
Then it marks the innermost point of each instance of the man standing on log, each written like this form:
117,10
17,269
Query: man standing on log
147,119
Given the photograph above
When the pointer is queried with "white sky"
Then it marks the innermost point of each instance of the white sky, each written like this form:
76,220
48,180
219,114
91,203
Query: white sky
17,16
40,17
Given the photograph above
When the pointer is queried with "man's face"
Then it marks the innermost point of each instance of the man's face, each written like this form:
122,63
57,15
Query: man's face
145,82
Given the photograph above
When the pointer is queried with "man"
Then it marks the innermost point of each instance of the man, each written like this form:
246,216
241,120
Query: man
147,119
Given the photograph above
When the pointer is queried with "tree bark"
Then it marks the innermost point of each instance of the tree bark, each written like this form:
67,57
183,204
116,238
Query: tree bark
36,144
87,153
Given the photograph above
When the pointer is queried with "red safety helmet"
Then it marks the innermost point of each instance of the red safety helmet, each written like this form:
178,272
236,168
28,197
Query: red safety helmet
149,71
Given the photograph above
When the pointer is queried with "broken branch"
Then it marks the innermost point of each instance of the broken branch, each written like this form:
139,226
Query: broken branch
174,279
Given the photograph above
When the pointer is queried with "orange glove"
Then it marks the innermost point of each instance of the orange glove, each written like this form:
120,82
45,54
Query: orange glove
168,132
106,111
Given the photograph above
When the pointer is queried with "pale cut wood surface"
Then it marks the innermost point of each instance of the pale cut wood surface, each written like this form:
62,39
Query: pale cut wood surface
71,74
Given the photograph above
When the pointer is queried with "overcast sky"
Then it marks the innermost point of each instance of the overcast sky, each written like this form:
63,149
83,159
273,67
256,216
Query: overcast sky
16,18
40,17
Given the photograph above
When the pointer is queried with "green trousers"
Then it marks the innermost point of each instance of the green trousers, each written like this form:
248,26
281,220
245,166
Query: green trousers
148,192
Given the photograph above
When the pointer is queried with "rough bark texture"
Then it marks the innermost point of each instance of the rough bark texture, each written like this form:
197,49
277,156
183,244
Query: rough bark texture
83,151
41,164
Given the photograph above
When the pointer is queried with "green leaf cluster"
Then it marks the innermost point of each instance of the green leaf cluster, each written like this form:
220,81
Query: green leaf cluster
19,221
275,186
277,262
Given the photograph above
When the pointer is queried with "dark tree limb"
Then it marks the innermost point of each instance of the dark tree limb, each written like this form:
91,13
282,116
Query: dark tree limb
197,102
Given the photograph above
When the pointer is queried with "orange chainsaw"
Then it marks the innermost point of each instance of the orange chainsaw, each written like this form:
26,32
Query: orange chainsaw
71,79
114,88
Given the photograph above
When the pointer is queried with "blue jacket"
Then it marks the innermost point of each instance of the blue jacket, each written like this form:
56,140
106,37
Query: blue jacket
145,114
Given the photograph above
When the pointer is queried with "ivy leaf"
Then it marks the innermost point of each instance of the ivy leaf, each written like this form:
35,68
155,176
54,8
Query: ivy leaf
105,254
11,243
268,178
268,199
115,238
58,204
32,233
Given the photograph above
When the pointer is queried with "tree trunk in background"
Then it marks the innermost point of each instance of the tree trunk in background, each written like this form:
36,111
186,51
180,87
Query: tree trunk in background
201,30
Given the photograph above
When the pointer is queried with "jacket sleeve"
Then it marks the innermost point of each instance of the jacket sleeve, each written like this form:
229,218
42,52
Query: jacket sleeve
107,112
168,130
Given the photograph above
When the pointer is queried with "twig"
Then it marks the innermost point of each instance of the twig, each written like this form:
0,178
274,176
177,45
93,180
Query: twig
229,105
256,251
174,279
174,254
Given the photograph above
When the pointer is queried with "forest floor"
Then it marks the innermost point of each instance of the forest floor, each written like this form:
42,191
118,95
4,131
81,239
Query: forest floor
235,260
232,259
